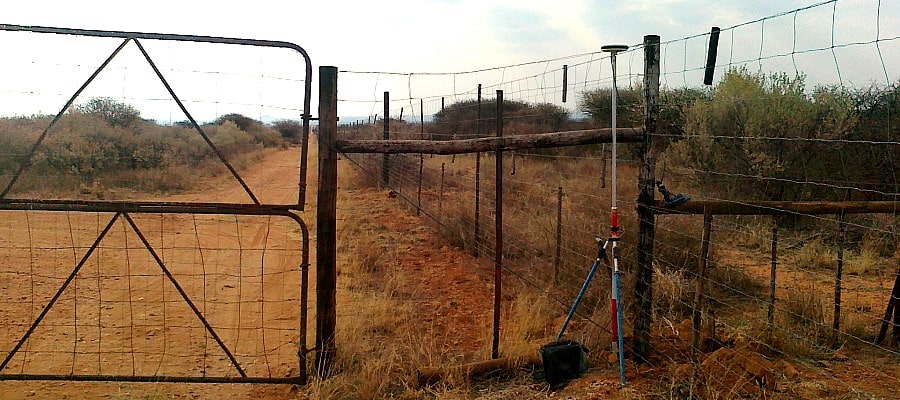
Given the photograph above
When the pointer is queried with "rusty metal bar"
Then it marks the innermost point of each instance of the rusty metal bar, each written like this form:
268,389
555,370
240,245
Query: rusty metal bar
184,295
195,124
59,292
27,161
307,88
304,302
145,207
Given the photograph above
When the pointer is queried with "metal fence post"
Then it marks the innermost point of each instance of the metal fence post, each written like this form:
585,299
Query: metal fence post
478,134
836,323
557,257
421,157
498,228
699,294
770,315
385,161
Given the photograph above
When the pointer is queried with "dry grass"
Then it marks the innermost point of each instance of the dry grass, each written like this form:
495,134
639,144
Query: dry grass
532,309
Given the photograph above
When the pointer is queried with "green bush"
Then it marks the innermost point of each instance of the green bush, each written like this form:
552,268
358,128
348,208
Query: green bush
764,137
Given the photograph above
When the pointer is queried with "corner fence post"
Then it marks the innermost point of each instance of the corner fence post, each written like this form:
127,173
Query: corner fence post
326,224
643,287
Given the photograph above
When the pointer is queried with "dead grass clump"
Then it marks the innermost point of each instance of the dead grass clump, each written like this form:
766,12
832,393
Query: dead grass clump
673,294
531,322
814,255
458,223
803,323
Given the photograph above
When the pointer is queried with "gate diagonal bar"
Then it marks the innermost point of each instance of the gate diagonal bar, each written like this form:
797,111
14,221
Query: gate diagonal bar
217,319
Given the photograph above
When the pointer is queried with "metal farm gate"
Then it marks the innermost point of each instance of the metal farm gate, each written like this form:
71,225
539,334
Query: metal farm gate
154,291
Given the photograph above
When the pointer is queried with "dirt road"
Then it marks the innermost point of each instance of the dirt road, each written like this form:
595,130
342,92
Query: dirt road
121,315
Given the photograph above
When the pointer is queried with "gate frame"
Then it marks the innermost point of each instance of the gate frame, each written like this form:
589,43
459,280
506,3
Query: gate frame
124,208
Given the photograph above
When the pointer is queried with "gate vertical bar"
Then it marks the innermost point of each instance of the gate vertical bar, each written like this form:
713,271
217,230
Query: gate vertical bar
386,135
498,228
478,134
326,224
643,288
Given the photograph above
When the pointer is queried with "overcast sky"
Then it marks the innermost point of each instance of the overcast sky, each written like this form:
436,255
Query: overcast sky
419,36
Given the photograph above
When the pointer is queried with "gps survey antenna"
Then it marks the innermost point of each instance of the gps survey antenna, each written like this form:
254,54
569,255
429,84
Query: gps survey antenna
616,311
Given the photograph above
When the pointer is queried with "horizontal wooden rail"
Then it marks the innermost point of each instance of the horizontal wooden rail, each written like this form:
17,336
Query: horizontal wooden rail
781,207
515,142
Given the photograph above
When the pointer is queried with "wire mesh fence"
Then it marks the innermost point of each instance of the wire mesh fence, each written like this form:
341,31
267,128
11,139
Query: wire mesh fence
802,112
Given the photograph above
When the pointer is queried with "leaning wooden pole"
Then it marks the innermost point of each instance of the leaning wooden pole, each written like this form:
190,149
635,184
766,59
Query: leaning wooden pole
326,224
643,287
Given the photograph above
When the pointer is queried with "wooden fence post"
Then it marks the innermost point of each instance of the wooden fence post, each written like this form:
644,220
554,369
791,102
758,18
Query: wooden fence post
643,288
326,224
498,228
386,161
699,294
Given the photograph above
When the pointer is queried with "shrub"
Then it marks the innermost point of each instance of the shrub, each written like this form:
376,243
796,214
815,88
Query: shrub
115,113
289,129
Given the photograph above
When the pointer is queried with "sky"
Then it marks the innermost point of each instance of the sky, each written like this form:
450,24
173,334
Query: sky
424,36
